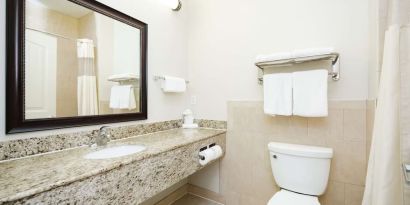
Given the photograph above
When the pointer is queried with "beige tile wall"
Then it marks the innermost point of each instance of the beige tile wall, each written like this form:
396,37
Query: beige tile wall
66,78
246,176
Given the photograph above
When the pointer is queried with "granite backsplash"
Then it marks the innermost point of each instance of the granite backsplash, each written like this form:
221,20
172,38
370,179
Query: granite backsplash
37,145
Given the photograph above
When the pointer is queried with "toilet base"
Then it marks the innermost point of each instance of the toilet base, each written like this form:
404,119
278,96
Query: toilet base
284,197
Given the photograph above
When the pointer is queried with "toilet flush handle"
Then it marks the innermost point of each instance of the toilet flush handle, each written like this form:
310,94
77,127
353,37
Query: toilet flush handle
274,156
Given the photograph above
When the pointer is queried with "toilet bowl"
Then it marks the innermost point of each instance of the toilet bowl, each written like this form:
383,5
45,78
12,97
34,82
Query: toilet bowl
301,171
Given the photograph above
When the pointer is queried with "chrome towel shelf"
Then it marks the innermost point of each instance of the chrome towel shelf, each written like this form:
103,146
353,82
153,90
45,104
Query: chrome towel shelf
125,79
334,57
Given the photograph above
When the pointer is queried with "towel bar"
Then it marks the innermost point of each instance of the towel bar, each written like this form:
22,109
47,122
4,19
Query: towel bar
334,57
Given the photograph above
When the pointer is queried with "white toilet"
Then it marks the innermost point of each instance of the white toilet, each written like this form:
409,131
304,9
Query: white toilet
300,171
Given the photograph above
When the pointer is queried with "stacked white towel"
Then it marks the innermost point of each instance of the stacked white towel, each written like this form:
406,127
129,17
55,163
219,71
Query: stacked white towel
173,84
273,57
122,97
312,52
277,90
310,93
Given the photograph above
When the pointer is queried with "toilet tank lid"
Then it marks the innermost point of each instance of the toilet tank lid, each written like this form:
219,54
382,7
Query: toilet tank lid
301,150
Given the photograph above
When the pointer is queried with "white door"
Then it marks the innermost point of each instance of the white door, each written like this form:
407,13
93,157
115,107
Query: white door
40,75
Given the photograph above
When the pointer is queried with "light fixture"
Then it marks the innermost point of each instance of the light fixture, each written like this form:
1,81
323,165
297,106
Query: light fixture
175,5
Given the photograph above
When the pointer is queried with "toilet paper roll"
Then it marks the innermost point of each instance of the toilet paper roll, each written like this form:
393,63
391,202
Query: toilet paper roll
206,156
217,150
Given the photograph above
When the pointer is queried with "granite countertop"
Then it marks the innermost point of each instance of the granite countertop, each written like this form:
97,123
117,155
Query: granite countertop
27,176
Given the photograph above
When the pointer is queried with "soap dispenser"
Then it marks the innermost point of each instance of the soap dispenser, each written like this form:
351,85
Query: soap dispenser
188,118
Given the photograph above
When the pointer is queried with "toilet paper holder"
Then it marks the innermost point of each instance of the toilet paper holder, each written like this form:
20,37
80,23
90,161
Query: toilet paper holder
205,148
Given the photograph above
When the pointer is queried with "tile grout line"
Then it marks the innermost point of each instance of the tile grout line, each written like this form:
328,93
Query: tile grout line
205,198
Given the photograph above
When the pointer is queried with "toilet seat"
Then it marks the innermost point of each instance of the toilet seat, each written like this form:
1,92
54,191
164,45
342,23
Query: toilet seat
285,197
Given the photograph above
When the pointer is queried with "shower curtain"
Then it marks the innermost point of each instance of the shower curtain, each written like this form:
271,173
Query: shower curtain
86,80
384,184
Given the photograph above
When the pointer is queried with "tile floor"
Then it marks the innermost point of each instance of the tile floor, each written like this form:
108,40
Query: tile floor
190,199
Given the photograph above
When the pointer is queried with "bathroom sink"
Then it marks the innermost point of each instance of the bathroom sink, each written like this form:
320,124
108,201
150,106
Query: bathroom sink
117,151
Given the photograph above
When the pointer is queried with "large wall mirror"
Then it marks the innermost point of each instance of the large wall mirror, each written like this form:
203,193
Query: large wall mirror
73,63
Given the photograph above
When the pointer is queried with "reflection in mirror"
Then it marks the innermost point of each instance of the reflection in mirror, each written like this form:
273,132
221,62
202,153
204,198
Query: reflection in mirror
79,62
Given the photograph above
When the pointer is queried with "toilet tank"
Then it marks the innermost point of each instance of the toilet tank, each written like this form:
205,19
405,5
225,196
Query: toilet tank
300,168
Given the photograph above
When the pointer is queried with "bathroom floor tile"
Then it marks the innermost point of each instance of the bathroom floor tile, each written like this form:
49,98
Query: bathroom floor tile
190,199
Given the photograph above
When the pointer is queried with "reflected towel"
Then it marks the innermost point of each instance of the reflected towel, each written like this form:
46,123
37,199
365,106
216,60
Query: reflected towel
277,90
122,97
310,93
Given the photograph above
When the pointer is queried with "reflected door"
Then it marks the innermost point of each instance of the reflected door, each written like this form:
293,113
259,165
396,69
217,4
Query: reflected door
40,75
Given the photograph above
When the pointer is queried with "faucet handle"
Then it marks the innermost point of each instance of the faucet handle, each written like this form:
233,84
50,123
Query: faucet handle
103,128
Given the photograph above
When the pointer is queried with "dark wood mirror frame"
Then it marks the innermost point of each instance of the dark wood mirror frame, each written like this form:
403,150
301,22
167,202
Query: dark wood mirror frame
15,38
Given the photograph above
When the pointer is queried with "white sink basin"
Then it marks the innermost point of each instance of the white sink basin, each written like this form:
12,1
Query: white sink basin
113,152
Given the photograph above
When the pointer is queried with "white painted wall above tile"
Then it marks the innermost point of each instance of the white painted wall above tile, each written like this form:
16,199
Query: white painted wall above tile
226,36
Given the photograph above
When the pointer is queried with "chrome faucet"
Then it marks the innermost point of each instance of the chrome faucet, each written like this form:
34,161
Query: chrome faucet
103,137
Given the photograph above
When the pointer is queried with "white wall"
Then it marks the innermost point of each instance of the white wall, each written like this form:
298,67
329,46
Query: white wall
167,54
226,36
125,56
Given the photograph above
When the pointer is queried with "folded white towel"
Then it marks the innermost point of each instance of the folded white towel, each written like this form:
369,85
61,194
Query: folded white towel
277,90
115,97
122,97
123,76
310,93
273,57
312,52
173,84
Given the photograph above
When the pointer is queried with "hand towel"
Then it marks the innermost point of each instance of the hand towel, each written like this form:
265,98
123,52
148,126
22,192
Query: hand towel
115,97
127,98
312,52
122,97
277,90
310,93
273,57
173,84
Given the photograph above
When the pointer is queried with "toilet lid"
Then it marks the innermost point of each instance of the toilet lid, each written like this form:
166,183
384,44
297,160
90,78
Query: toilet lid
284,197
